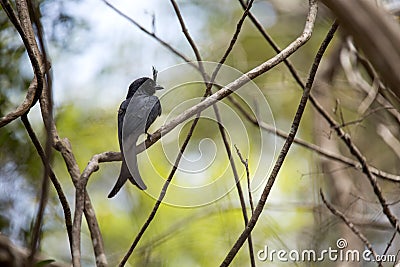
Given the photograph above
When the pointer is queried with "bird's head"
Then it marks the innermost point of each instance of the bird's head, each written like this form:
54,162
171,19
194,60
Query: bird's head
144,85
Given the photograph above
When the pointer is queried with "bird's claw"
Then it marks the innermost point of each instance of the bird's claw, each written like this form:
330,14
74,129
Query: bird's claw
149,137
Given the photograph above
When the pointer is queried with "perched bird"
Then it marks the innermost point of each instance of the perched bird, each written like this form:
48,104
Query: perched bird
135,115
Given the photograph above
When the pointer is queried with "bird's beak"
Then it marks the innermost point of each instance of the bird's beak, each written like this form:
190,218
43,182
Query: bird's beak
159,87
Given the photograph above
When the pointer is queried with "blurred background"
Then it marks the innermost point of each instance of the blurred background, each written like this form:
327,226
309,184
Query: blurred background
96,54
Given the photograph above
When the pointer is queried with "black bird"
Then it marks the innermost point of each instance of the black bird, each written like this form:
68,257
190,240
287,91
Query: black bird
135,115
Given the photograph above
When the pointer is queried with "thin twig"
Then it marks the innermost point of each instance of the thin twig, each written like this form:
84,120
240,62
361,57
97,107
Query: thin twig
237,182
389,244
327,154
189,38
152,34
364,116
353,149
95,233
364,165
276,48
350,225
233,39
215,107
285,149
245,163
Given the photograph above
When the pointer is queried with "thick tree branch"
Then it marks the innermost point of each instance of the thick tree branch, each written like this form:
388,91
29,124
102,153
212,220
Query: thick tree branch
24,106
82,200
375,32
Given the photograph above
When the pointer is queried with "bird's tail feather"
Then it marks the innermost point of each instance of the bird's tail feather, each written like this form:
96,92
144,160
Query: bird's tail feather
123,175
131,173
134,176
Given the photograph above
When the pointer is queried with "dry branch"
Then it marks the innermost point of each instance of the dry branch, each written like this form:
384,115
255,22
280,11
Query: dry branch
353,228
375,32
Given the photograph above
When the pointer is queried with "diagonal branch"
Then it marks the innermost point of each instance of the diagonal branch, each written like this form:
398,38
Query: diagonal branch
188,37
245,163
193,126
162,193
353,228
346,138
327,154
54,180
285,149
151,34
215,107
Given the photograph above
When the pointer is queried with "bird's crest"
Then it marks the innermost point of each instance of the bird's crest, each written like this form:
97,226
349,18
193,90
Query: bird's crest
155,73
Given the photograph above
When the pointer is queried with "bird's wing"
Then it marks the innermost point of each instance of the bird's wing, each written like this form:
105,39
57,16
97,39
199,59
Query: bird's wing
154,102
140,113
135,115
121,115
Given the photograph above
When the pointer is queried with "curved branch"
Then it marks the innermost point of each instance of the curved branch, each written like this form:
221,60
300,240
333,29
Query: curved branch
25,30
24,106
